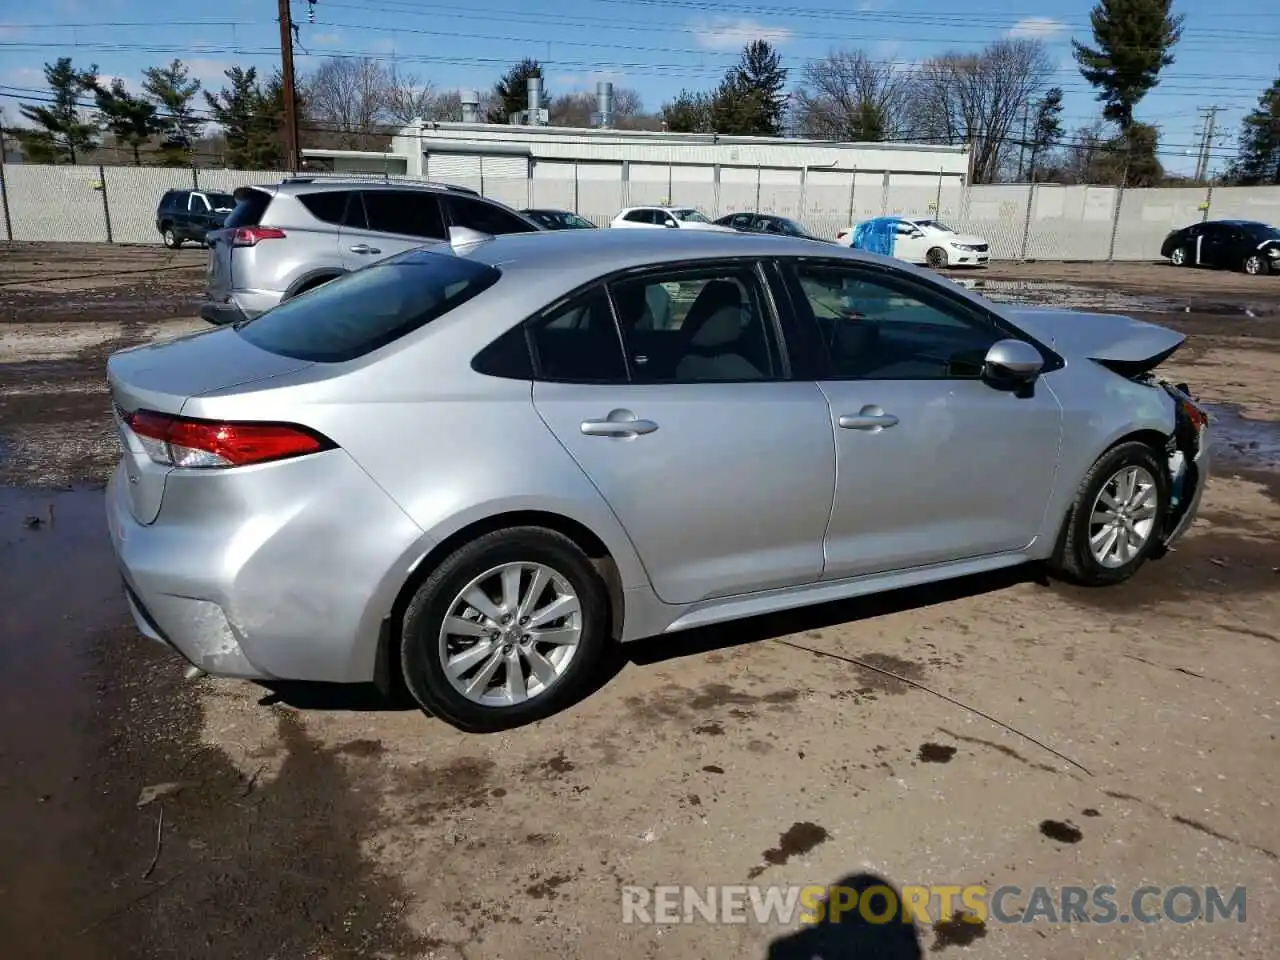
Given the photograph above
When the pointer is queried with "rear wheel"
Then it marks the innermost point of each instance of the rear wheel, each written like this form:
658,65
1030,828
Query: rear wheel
1116,521
170,238
1179,257
937,258
508,629
1256,265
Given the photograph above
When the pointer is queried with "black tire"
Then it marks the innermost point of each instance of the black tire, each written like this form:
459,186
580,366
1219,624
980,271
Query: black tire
1073,560
1184,253
937,258
170,238
1256,265
421,667
311,285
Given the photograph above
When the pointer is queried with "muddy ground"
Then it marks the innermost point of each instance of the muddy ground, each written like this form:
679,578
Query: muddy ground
321,823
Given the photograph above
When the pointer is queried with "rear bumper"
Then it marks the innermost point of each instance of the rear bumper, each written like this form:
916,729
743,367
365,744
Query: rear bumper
279,572
240,305
221,313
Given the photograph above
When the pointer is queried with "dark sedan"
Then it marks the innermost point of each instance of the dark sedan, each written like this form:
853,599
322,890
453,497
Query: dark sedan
767,223
1247,245
558,220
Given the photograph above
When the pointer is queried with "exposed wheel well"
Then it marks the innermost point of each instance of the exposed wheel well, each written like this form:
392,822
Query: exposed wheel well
311,283
387,669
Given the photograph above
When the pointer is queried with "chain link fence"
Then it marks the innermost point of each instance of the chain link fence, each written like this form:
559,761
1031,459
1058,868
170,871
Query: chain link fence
94,204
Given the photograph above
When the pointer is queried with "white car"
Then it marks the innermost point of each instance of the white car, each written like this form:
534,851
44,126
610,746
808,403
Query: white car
684,218
929,241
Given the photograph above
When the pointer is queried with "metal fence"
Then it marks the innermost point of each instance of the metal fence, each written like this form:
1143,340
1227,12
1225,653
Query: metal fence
94,204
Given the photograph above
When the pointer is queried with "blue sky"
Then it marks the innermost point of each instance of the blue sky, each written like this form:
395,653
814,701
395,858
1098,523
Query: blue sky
1230,49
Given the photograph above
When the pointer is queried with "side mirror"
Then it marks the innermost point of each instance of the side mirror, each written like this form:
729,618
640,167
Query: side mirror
463,238
670,223
1014,360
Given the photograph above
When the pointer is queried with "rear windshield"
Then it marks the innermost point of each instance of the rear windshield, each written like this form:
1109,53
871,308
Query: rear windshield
249,210
370,308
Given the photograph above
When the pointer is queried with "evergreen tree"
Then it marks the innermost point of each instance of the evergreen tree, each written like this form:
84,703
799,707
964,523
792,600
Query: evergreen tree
173,90
252,119
511,92
1046,132
1132,44
131,120
761,74
689,112
61,133
1258,162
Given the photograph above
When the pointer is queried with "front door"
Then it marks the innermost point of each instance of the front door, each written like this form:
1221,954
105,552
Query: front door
933,463
720,468
910,243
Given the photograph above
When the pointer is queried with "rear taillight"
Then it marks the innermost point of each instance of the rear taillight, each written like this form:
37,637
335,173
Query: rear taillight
184,442
251,236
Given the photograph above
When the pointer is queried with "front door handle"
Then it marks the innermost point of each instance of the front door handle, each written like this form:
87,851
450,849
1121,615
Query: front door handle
364,248
870,418
619,423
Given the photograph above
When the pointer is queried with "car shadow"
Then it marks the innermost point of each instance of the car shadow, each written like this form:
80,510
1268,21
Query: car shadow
851,935
366,698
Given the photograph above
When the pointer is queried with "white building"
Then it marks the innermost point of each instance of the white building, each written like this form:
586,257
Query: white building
596,171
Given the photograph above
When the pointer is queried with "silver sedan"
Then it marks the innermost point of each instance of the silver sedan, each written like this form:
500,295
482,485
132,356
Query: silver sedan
477,472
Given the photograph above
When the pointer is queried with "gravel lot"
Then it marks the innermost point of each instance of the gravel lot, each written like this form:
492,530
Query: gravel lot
323,823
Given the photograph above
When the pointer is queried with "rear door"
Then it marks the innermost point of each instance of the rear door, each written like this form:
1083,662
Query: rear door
382,223
934,464
719,466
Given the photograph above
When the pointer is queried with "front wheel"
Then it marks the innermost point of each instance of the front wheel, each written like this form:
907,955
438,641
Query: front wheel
508,629
1179,257
170,239
937,258
1256,265
1117,519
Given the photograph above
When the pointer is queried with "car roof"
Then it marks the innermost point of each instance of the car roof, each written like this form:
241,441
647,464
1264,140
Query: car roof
294,185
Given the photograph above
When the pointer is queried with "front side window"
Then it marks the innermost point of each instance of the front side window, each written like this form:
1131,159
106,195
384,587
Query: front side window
370,308
410,213
696,326
484,217
876,325
221,201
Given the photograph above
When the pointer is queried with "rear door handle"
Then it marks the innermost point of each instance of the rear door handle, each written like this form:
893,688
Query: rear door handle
870,418
619,423
364,248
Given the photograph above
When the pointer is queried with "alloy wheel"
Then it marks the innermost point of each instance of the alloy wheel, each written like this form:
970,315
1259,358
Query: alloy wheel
1253,265
1123,517
1179,257
510,634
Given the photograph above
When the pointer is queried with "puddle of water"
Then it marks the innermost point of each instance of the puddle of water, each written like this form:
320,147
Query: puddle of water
1238,437
1040,293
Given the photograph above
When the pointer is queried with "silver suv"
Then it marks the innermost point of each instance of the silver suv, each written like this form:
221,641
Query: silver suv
284,239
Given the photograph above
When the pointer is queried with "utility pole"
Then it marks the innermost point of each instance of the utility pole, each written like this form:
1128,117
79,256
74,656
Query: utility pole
1210,115
290,96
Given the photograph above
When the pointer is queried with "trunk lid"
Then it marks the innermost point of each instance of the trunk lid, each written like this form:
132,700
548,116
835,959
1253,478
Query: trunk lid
251,205
1124,344
162,377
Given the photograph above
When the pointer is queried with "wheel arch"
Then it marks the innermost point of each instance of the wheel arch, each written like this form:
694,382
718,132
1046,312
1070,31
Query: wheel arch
310,280
387,661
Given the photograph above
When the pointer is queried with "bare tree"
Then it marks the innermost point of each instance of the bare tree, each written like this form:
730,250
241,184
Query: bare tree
447,108
978,98
348,98
579,109
407,97
849,96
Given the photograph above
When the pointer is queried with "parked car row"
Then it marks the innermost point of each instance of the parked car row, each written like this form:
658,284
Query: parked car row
302,494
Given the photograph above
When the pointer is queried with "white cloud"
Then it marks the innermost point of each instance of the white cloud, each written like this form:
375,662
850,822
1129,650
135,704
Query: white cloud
326,39
725,34
1037,28
212,74
8,32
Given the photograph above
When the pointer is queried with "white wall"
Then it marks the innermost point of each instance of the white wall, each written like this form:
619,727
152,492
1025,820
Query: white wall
1047,222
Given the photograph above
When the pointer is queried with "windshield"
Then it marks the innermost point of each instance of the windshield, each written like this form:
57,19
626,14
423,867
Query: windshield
934,225
792,228
560,220
689,216
222,201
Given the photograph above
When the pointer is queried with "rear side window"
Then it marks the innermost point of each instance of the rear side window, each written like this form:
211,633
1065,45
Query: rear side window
250,209
485,217
328,206
370,308
412,213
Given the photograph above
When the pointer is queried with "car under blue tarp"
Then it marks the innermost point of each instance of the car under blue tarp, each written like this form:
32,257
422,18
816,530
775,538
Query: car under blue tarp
876,235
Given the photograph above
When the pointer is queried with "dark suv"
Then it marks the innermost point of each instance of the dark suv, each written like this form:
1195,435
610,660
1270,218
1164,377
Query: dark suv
190,214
